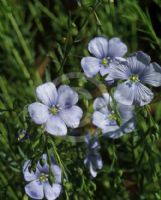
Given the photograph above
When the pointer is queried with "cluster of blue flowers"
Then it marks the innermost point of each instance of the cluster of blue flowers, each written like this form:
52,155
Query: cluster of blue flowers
113,112
134,71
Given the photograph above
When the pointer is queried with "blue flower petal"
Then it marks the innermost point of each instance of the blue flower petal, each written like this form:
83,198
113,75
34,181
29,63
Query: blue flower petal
125,93
115,62
94,144
93,160
100,120
57,173
143,95
109,80
98,161
119,60
151,77
116,47
66,97
112,131
89,165
135,66
126,112
98,47
104,70
92,170
91,66
35,190
29,175
107,98
129,126
133,94
45,167
52,192
47,93
71,116
143,57
38,112
128,117
118,71
56,126
100,104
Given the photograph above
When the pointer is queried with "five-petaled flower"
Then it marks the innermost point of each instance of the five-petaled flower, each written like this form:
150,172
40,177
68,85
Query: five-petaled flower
111,123
57,110
39,186
105,52
93,160
135,72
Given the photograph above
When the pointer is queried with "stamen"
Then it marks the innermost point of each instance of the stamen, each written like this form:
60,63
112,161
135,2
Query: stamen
54,110
104,61
134,78
43,177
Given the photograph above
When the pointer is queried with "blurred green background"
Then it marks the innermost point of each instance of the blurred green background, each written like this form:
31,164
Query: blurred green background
40,40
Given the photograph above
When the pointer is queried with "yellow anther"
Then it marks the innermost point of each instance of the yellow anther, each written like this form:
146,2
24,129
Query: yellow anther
43,177
104,61
134,78
53,110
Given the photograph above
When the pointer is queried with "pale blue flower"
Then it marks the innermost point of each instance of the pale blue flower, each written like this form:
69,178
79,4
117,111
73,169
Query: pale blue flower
39,186
93,160
136,72
104,52
107,119
57,109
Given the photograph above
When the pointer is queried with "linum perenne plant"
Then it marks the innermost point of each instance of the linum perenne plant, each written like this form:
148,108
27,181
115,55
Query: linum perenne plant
114,113
44,41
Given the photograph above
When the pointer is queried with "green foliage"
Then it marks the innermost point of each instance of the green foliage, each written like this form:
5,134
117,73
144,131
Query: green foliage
41,40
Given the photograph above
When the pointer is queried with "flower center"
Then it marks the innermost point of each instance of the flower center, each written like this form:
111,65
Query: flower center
104,61
134,78
43,177
113,116
54,110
